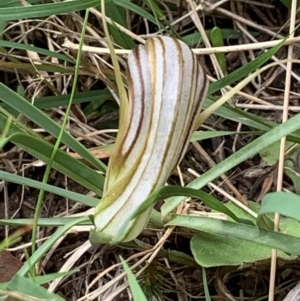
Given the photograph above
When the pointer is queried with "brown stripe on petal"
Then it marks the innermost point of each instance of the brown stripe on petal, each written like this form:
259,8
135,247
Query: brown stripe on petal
169,139
203,91
188,109
197,104
176,110
131,89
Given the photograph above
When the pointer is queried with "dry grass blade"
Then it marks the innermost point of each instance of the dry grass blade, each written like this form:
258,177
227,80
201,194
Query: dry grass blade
283,144
198,51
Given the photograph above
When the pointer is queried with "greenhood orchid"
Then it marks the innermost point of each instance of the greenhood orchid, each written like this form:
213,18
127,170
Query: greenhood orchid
166,87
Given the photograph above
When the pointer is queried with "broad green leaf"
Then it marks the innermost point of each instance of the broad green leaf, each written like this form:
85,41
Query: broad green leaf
25,108
270,154
246,152
136,290
235,251
81,198
271,239
179,257
3,141
287,204
205,246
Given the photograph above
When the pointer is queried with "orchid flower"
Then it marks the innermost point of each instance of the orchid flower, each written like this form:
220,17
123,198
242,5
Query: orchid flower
166,88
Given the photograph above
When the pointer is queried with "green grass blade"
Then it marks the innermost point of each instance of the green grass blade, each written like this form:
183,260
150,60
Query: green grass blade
31,288
238,115
38,207
217,41
58,8
9,3
40,118
248,119
138,294
244,70
199,136
44,248
195,38
246,152
41,149
50,277
81,198
205,285
169,191
138,10
69,166
97,97
118,15
44,222
43,51
45,10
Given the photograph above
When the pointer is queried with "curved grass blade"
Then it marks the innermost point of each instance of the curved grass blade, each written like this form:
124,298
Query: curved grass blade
39,50
244,70
246,152
170,191
42,250
58,8
21,105
41,149
135,289
45,10
81,198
